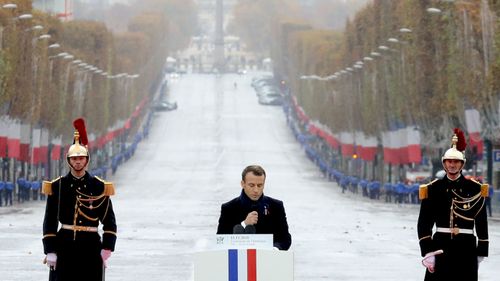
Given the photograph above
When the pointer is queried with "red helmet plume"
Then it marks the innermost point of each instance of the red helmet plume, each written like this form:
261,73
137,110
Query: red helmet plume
461,143
79,125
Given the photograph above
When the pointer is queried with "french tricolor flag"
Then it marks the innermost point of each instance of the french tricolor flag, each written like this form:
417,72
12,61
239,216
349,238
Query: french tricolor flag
4,127
321,130
402,145
366,146
473,124
347,143
55,153
242,265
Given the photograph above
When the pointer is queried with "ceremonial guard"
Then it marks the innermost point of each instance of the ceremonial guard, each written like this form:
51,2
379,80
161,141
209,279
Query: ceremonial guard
455,206
78,203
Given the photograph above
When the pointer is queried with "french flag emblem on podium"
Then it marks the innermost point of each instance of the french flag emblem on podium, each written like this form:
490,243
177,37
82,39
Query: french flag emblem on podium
243,265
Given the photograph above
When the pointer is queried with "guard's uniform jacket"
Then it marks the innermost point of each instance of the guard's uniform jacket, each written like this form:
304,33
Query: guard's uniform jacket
456,209
79,205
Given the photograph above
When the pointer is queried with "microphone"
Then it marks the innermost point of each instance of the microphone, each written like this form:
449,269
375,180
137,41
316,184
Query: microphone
238,229
250,229
255,207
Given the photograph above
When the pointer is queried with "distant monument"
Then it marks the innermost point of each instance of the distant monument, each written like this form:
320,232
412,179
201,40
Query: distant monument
219,62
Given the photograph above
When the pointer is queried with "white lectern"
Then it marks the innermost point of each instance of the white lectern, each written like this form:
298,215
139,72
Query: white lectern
243,258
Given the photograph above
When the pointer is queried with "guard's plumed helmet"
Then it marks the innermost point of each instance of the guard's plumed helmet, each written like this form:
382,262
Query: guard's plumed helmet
80,141
458,145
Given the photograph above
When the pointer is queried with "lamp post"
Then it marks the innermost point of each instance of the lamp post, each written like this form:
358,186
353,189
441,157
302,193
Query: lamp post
34,56
79,87
433,10
405,43
36,84
25,59
25,17
405,30
9,6
37,91
28,64
66,57
53,46
129,90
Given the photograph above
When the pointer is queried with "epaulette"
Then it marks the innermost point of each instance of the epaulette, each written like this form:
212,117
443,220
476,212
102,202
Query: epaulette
109,188
47,186
484,188
423,190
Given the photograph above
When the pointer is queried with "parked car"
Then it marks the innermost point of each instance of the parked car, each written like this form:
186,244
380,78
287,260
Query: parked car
164,105
271,99
267,90
259,82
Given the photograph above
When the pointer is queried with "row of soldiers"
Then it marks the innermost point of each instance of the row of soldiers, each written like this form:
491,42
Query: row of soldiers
394,192
27,190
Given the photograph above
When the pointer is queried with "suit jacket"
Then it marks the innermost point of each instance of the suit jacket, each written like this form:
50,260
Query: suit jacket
272,218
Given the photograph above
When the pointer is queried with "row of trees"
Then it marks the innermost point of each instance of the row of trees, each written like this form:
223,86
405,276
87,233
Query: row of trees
181,14
256,21
83,69
438,66
415,62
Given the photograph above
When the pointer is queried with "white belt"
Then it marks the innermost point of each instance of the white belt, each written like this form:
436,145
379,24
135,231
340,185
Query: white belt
79,228
455,230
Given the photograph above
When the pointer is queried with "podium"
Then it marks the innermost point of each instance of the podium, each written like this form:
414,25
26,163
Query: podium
242,260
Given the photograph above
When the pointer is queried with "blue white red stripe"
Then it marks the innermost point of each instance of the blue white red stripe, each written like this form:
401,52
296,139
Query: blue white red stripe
242,265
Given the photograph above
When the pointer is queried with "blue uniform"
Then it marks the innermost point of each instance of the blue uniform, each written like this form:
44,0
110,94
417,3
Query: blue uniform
35,188
23,184
2,187
9,189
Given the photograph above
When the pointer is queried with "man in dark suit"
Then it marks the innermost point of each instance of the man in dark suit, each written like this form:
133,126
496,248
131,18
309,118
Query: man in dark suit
454,207
253,212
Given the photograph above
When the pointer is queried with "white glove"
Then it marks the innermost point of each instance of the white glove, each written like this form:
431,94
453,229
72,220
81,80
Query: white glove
105,254
429,261
51,260
479,260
